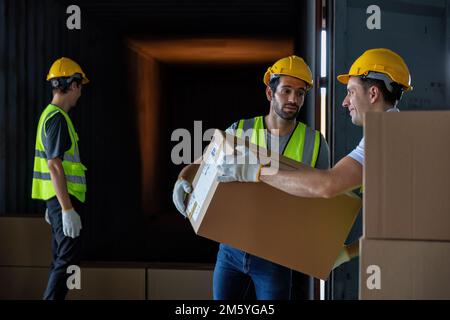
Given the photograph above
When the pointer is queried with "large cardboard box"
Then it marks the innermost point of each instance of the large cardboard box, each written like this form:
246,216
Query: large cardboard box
23,283
407,175
180,283
110,282
25,241
396,269
303,234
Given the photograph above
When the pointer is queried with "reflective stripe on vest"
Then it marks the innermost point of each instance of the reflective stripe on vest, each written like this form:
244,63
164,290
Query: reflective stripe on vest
73,168
72,158
303,145
46,176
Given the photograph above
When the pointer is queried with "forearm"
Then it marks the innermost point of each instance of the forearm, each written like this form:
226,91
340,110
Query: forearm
60,185
309,182
304,182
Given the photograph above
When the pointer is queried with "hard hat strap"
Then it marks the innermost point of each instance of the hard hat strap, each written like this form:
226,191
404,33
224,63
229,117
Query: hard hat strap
380,76
64,82
393,87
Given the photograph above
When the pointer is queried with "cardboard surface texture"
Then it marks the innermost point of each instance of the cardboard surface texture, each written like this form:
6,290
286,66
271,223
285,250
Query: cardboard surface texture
396,269
300,233
406,176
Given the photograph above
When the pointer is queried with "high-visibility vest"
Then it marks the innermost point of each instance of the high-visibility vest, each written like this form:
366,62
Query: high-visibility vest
303,145
73,168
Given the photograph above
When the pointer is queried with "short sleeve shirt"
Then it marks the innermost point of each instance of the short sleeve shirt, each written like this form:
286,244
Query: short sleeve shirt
358,152
56,139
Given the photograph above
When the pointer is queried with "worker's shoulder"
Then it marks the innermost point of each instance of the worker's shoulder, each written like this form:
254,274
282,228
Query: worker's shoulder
247,123
55,123
55,117
308,129
52,112
249,119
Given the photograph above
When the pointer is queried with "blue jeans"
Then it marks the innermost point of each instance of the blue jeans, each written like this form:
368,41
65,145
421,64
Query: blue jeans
236,271
65,251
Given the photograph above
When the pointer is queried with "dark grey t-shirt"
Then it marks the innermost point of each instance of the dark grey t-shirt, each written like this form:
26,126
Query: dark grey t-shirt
56,139
323,158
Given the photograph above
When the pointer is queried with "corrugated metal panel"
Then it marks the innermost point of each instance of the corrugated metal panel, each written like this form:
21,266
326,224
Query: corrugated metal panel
27,41
199,16
32,35
151,8
2,105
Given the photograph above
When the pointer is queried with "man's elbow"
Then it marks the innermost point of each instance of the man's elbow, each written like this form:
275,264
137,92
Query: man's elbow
54,165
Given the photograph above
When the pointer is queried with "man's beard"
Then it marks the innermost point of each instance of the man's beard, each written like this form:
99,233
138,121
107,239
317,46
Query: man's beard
286,115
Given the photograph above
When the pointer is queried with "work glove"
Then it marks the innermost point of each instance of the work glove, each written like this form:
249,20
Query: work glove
242,166
181,189
47,219
71,223
342,257
239,172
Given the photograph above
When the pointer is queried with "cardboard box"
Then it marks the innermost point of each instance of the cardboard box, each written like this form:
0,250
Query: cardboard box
23,283
407,175
179,284
110,283
25,241
405,269
303,234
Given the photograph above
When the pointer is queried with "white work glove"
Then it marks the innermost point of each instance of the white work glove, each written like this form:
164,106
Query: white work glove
181,189
239,172
342,257
71,223
47,219
242,166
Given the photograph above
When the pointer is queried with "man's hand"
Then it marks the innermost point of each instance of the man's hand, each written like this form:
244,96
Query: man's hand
181,189
243,166
71,223
239,172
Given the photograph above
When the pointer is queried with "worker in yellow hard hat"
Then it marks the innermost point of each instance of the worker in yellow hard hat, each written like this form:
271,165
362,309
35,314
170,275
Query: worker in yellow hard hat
58,174
287,82
375,83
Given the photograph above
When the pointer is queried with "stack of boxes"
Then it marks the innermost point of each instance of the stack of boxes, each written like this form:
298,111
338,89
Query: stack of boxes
405,249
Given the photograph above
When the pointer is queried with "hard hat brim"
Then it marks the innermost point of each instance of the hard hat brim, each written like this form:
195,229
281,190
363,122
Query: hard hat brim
343,78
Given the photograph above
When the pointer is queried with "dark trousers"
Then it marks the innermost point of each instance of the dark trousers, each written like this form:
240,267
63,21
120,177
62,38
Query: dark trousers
65,251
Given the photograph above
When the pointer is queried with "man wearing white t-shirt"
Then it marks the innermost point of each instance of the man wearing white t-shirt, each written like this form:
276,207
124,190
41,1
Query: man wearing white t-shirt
375,83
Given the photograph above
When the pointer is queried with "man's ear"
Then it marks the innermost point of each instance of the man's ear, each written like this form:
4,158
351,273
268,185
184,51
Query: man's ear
74,85
269,93
374,94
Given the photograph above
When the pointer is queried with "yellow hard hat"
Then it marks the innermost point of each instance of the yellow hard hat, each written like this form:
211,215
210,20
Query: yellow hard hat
65,67
290,66
382,61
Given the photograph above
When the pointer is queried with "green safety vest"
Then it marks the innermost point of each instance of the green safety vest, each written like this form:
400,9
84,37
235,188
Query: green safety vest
73,168
303,145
